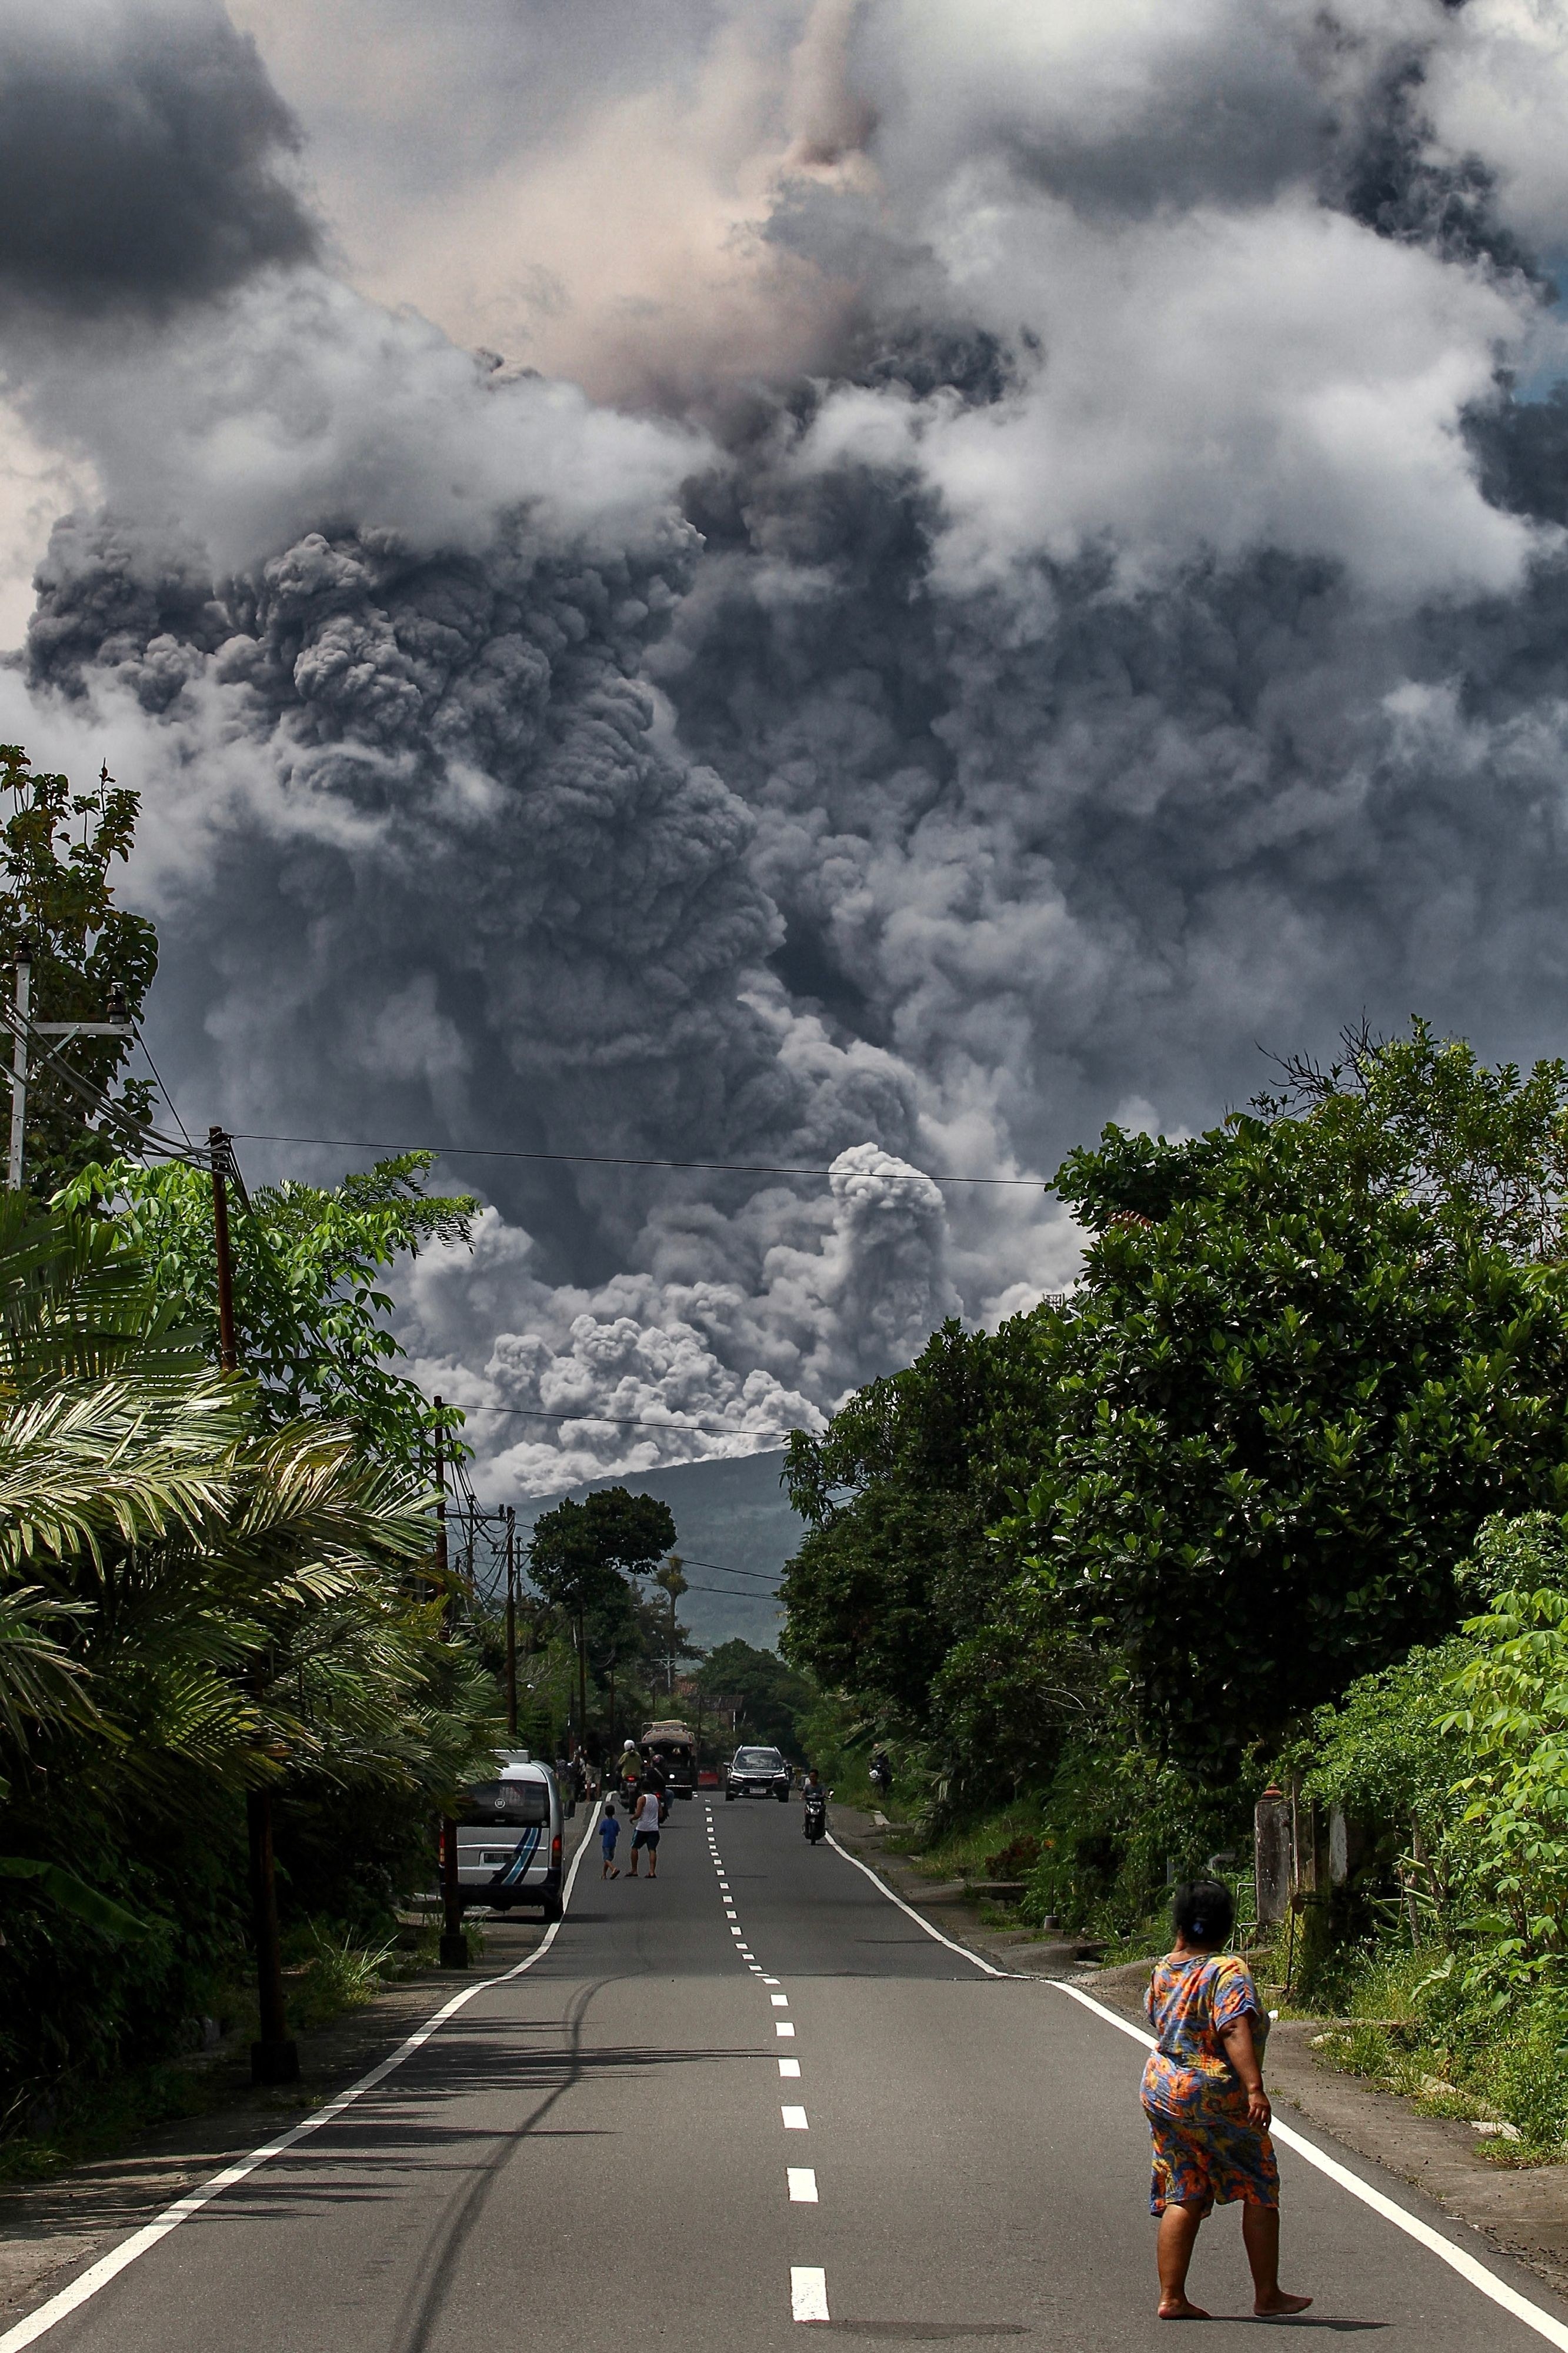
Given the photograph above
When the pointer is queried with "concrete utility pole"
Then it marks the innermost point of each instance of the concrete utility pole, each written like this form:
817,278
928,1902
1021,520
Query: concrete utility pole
674,1584
511,1621
19,1063
220,1149
119,1025
275,2058
454,1944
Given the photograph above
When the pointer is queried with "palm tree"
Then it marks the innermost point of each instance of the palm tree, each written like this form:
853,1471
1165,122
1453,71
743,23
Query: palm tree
192,1603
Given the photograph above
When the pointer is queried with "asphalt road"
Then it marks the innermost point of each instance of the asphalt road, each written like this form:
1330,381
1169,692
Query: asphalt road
615,2152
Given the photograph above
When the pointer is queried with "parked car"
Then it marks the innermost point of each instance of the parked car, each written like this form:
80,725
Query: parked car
509,1837
757,1772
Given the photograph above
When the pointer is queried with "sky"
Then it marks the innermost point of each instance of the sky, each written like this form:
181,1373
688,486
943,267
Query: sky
856,586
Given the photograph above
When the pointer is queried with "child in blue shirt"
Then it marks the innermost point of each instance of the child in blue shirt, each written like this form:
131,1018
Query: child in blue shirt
609,1833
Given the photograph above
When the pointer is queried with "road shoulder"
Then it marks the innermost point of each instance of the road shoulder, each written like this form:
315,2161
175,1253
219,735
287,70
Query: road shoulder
49,2230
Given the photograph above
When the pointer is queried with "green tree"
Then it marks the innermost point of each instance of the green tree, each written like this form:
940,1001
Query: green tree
1420,1118
312,1313
57,850
1507,1691
896,1496
193,1604
1272,1419
581,1555
773,1696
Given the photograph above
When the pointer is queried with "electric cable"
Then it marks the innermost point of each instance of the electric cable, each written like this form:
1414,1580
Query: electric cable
624,1421
625,1160
158,1081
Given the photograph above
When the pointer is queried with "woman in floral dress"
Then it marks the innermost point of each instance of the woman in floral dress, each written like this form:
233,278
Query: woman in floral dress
1204,2097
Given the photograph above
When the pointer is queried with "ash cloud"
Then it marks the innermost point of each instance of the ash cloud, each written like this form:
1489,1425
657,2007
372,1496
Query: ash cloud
1136,636
145,157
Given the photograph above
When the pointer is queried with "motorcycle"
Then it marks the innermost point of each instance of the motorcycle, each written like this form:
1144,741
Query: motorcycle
881,1775
813,1813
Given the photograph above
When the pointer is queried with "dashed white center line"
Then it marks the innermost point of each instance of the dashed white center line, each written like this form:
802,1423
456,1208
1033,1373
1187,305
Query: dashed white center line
807,2292
783,2026
779,2001
795,2119
801,2185
770,1980
789,2068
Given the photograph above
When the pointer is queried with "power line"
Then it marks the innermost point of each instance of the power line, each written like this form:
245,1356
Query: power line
158,1082
729,1593
625,1421
723,1568
624,1160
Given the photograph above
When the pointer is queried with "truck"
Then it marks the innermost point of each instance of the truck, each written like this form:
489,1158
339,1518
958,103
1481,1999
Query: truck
669,1748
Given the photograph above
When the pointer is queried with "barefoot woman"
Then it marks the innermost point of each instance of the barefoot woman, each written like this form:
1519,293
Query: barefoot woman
1204,2097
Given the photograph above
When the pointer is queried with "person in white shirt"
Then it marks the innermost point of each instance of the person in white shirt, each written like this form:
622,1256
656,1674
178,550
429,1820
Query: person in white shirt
645,1833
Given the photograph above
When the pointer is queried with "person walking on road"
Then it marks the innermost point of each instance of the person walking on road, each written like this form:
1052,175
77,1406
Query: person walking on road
609,1838
645,1834
1207,2110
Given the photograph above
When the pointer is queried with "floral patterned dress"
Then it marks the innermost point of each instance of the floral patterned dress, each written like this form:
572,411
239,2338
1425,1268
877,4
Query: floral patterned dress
1205,2152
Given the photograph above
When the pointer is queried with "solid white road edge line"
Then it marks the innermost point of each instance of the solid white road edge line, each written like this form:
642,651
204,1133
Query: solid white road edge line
1412,2225
883,1888
99,2274
807,2292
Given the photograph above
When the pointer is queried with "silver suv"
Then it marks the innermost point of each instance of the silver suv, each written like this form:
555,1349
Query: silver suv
757,1772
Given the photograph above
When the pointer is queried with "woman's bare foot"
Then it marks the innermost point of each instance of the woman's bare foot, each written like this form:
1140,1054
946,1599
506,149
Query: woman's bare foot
1280,2302
1180,2309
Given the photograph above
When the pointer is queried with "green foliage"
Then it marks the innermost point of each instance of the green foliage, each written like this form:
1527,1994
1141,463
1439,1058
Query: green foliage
580,1553
1388,1752
1272,1422
774,1698
1117,1825
1512,1712
209,1603
1311,1352
896,1496
56,893
310,1315
1418,1118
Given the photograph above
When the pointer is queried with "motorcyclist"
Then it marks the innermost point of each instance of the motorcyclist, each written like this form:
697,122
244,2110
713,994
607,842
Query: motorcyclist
882,1771
813,1802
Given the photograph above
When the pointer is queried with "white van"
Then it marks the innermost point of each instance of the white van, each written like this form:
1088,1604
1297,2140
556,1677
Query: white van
509,1837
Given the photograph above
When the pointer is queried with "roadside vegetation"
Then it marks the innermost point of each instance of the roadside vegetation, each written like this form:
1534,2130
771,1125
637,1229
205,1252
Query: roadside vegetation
211,1582
1279,1488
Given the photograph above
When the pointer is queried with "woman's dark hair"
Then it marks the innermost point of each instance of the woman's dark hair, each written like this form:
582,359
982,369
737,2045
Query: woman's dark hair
1203,1911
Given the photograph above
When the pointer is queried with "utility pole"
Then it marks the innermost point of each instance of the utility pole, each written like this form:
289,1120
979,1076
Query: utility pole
220,1149
674,1584
275,2059
19,1062
454,1944
511,1621
119,1025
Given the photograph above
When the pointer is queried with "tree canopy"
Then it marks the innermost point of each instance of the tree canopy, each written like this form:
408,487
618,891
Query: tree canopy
1241,1463
57,851
310,1309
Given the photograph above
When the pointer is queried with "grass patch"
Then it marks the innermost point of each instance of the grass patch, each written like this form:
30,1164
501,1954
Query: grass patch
1410,2027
